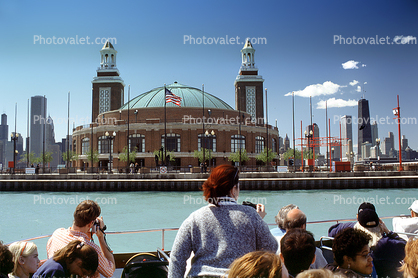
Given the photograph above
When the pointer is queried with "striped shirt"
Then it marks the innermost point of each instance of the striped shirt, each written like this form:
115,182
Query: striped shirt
61,237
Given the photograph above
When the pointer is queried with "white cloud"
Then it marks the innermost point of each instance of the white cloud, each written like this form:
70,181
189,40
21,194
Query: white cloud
350,65
354,82
332,102
327,88
363,65
358,89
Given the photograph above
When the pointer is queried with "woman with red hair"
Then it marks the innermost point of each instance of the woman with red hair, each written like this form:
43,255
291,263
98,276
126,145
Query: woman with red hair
220,232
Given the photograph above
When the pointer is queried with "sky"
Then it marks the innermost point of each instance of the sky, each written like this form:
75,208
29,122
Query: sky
334,51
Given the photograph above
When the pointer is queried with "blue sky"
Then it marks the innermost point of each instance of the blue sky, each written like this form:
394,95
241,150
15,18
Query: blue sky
299,55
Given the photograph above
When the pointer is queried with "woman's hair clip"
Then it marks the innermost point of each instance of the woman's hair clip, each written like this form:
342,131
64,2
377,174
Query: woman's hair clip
80,245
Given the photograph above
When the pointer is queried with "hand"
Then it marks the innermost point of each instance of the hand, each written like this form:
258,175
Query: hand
261,210
383,227
101,225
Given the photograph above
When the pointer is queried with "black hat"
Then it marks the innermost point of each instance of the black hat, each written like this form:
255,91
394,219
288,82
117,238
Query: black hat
366,205
368,218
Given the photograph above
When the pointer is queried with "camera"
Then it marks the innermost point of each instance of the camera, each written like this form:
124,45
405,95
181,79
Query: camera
96,226
246,203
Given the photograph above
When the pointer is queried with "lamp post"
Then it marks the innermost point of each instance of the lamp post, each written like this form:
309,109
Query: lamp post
210,135
110,138
332,155
309,136
377,145
136,115
14,137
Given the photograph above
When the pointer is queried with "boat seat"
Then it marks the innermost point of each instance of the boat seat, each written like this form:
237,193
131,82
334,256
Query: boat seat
145,265
325,244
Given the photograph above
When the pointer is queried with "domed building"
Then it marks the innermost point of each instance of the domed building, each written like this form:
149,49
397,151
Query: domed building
174,120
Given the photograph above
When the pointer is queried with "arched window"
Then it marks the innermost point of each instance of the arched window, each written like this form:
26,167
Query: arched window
105,145
209,142
137,143
85,145
237,142
173,142
259,144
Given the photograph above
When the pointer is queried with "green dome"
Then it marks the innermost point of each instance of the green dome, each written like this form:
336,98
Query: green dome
191,97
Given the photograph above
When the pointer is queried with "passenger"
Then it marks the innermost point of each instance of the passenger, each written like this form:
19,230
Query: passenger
352,256
318,273
388,248
410,266
296,219
220,232
77,258
6,261
25,258
257,264
407,224
86,215
279,219
297,250
335,229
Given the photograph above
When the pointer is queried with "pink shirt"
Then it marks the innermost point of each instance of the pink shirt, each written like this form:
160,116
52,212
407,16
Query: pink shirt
61,237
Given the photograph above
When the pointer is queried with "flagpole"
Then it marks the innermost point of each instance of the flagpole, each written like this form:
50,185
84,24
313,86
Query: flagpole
165,126
203,127
127,137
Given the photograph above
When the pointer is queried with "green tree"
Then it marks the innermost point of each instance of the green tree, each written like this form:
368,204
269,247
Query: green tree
307,154
289,153
235,157
41,158
92,156
24,158
123,155
160,155
263,155
199,154
72,156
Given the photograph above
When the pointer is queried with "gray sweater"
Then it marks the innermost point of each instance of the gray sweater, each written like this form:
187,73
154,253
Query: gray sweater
217,236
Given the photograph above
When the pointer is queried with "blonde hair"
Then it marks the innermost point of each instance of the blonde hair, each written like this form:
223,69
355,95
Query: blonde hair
21,248
410,266
256,264
319,273
375,233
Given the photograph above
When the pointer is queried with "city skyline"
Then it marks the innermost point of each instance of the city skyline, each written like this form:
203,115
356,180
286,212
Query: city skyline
309,53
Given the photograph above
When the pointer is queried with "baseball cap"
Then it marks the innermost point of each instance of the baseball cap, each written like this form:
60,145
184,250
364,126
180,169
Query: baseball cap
414,206
368,218
366,205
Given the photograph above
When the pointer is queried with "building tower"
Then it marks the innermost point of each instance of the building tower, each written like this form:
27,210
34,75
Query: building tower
38,107
108,86
315,140
346,134
249,86
364,129
375,133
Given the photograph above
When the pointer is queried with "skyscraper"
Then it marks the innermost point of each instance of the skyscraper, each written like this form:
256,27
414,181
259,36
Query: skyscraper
4,128
346,134
364,129
37,124
315,140
375,133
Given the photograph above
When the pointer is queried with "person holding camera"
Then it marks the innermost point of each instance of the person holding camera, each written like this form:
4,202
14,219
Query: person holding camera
220,232
86,223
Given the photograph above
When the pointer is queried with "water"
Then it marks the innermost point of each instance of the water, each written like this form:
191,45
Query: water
29,214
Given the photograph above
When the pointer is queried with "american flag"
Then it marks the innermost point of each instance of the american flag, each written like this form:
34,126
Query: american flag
170,97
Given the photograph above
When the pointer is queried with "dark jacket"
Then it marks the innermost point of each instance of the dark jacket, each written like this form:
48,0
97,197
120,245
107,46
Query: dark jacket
349,273
388,254
335,229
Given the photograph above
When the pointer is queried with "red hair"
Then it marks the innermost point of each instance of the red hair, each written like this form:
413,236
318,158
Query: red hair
220,182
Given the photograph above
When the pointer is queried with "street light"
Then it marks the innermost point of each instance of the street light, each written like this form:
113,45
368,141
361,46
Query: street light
309,136
136,115
377,145
332,154
110,138
350,156
210,135
14,137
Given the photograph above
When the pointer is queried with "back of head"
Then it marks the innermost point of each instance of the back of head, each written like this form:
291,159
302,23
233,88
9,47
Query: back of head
410,266
318,273
257,264
21,248
220,182
297,247
6,260
295,218
281,215
86,212
77,249
348,242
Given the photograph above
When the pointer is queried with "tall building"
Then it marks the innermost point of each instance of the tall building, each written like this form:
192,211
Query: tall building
404,143
108,86
315,140
286,143
4,128
249,86
375,133
388,144
37,124
346,134
364,129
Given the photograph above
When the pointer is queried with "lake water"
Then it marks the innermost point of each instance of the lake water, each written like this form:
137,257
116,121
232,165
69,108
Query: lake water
30,214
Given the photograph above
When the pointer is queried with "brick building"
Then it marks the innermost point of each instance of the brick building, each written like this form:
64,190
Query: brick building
202,120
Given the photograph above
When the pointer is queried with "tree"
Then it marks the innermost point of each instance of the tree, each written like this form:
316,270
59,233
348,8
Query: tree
307,154
24,158
235,157
123,156
289,153
41,158
92,156
263,155
199,154
160,155
72,156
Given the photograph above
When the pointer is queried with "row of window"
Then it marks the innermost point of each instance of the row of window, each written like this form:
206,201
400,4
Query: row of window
137,143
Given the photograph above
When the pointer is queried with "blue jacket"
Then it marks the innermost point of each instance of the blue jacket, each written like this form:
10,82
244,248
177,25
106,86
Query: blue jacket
388,254
335,229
